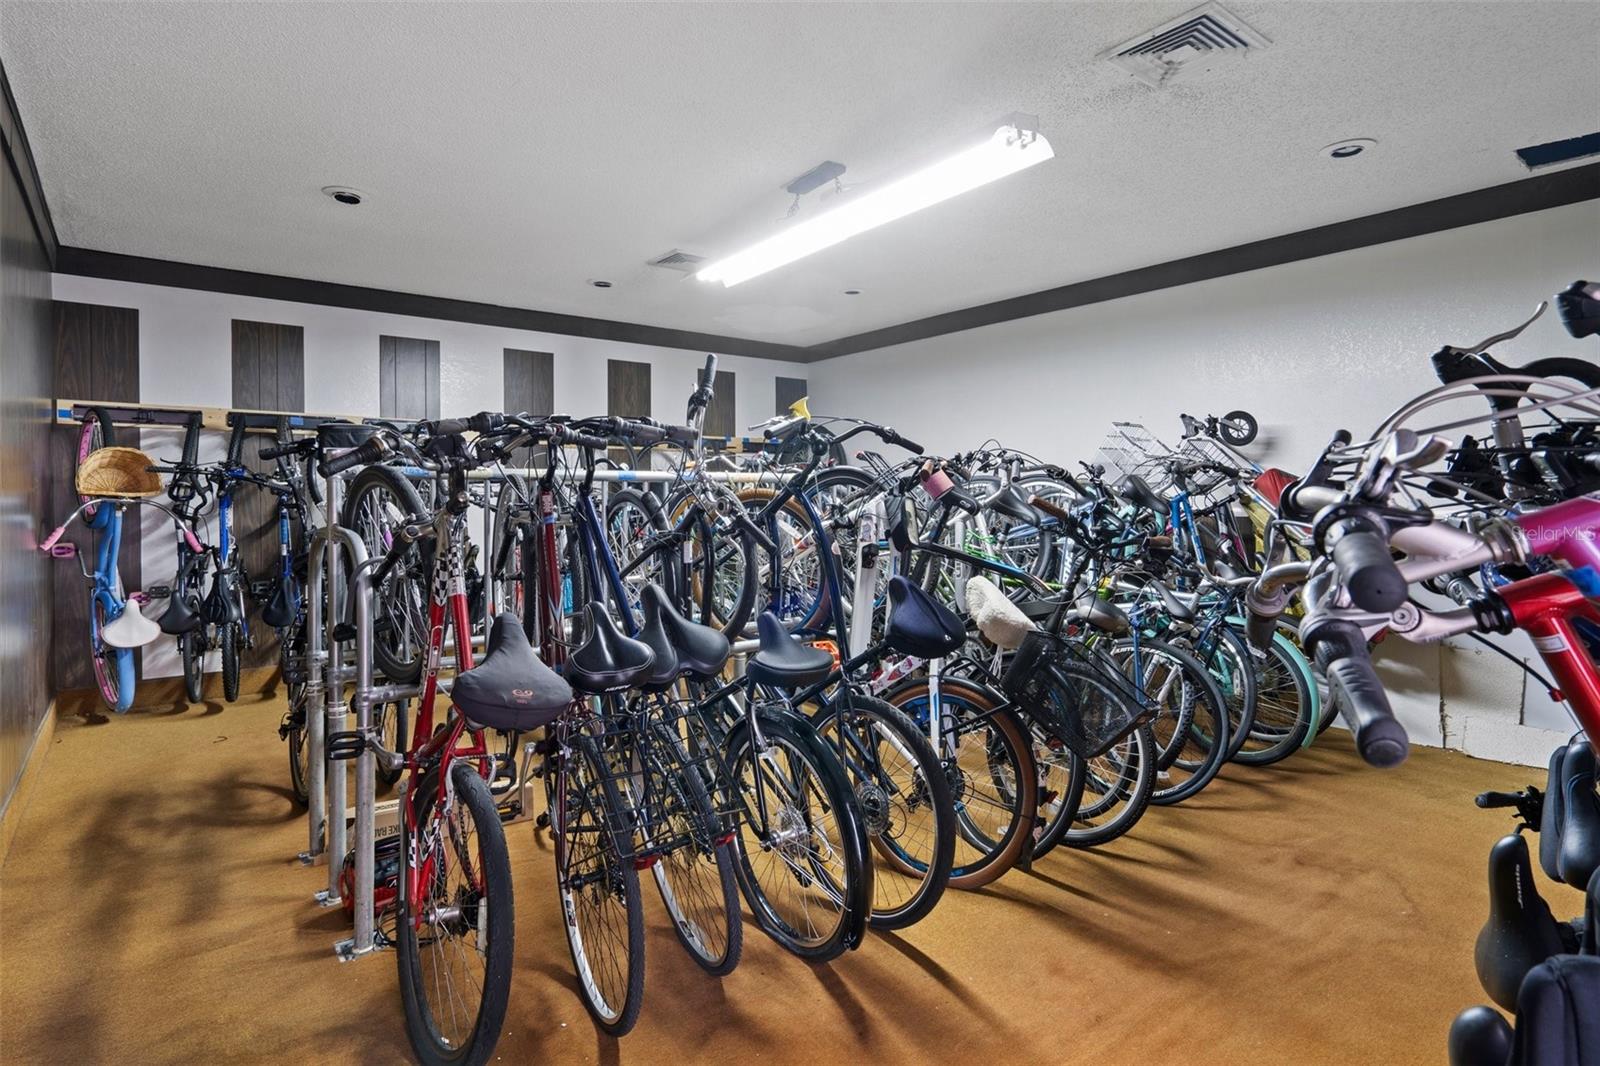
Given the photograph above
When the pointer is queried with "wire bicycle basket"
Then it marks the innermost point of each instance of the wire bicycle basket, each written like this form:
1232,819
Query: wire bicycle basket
1090,710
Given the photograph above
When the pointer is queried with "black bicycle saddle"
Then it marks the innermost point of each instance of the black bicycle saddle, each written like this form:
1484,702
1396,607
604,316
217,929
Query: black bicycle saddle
221,606
1521,932
1569,831
1010,502
685,646
607,660
784,662
1179,607
511,689
279,610
920,625
1137,490
1579,307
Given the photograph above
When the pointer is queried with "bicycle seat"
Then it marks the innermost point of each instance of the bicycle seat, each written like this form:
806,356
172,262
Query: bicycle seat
1183,608
1521,932
279,610
681,646
1137,490
920,625
1013,504
130,629
784,662
1002,622
1101,614
1569,831
511,689
607,661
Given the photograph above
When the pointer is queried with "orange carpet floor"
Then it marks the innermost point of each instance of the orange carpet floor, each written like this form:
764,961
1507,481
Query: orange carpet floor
152,911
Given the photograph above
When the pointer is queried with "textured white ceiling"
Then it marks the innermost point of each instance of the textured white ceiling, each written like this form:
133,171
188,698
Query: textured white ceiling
512,152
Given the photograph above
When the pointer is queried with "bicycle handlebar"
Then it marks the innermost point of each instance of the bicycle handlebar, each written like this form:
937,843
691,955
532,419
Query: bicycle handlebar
1341,651
372,450
1360,550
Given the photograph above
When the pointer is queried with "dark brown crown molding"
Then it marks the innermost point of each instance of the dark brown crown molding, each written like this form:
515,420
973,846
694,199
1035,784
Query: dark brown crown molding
118,267
1484,205
19,155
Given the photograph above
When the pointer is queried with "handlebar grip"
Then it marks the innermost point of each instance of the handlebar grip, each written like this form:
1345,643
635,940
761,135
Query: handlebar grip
275,453
50,541
369,451
1361,553
1260,624
193,541
708,373
1341,651
1487,800
909,445
486,421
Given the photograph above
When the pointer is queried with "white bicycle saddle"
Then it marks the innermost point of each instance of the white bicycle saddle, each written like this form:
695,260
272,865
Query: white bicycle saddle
131,628
1000,621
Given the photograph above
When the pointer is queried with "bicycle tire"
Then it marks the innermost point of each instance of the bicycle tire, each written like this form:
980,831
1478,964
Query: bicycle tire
95,432
885,809
1237,428
803,607
496,930
1006,768
848,892
298,741
710,847
1233,667
191,651
1202,700
400,630
230,638
617,880
1129,799
1276,740
504,570
633,515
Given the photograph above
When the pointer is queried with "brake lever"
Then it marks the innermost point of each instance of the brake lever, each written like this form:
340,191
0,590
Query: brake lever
1483,346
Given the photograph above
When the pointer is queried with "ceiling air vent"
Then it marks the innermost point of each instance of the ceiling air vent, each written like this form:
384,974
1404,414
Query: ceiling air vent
679,260
1193,38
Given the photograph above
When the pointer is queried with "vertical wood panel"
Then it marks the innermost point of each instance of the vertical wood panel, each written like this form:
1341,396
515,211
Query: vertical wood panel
627,388
530,388
96,358
787,391
719,415
27,477
408,378
269,375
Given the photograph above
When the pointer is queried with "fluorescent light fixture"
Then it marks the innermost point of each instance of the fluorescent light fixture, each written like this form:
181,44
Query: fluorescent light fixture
1014,146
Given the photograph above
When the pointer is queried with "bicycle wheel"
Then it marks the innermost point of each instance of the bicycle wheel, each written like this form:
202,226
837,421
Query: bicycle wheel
1234,671
1191,722
230,639
803,865
990,769
1284,698
192,653
299,741
598,887
113,667
1115,792
454,926
801,597
95,431
379,502
904,796
635,528
696,878
511,520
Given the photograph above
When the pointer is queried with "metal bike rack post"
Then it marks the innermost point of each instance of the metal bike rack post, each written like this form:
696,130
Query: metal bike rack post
366,776
316,698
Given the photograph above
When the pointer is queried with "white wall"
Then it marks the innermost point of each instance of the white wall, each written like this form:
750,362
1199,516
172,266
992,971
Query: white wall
185,359
1309,347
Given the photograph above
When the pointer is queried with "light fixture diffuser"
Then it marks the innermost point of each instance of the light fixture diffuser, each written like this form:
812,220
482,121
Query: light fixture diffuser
1014,146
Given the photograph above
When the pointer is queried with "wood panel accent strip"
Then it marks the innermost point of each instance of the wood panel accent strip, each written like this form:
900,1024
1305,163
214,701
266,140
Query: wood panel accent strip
627,388
786,392
408,377
719,421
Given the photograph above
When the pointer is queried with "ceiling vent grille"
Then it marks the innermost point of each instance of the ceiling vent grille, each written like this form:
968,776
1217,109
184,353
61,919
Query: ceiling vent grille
1198,36
679,260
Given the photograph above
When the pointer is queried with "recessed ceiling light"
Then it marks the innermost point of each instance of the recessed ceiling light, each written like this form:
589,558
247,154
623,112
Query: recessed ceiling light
344,194
600,284
1348,149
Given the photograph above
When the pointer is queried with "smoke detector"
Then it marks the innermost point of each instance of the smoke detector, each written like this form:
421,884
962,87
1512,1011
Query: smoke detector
1194,39
678,259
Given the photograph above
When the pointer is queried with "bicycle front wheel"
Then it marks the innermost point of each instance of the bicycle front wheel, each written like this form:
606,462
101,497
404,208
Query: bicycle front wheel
454,922
599,888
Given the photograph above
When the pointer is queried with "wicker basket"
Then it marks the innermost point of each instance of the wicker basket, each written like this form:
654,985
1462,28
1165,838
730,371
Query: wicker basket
118,473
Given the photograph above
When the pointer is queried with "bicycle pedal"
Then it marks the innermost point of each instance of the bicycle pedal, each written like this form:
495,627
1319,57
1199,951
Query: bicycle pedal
158,592
344,632
346,744
510,812
542,821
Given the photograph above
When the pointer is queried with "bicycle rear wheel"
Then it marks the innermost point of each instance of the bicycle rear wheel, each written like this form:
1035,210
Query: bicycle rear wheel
989,766
1115,792
380,501
1284,698
1191,722
454,939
